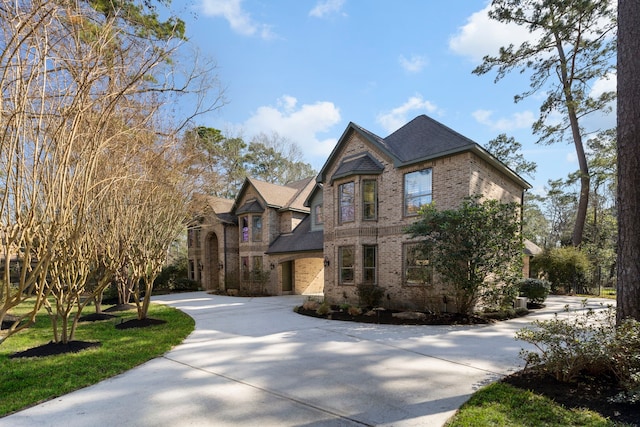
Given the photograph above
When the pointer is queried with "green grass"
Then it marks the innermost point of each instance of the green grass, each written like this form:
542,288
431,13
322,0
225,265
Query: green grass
27,381
500,405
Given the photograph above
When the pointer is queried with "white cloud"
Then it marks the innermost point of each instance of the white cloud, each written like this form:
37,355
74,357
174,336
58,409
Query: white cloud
327,7
482,36
239,20
397,117
414,64
302,125
517,120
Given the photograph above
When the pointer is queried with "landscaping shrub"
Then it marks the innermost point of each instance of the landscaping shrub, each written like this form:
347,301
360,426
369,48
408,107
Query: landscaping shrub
566,268
571,346
536,290
370,295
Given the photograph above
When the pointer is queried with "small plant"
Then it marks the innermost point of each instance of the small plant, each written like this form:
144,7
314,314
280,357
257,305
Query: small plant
323,309
310,304
370,295
536,290
354,311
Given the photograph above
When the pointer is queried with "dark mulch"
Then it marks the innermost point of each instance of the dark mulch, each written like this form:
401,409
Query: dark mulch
97,317
119,307
52,349
588,392
385,317
140,323
8,321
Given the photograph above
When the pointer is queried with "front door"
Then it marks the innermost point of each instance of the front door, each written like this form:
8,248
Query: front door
287,276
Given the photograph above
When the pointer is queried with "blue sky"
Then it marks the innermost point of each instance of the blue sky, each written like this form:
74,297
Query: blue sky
306,68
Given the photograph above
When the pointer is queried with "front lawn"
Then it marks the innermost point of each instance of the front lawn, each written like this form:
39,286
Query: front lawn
28,381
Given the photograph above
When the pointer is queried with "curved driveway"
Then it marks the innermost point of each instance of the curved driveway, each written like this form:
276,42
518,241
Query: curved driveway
253,361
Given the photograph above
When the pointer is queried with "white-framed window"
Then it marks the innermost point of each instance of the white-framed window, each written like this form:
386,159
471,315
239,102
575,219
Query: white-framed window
318,217
244,229
417,191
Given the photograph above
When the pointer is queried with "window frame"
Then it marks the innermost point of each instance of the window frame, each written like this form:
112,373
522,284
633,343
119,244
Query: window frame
256,232
350,207
342,269
244,228
318,219
424,265
408,209
372,277
373,203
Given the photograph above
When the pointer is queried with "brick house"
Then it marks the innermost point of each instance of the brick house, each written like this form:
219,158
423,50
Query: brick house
259,243
373,188
347,227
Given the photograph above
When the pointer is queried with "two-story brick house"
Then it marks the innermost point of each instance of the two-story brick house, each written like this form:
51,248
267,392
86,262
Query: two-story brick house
373,188
347,227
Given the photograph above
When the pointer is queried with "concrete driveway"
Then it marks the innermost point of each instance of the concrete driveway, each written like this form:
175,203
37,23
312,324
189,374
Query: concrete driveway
253,361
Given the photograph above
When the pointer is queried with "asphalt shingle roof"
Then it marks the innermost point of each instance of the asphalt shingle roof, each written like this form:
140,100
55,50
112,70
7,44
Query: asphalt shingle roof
301,239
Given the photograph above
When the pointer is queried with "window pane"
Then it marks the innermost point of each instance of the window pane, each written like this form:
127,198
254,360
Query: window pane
346,194
369,263
346,260
417,191
256,231
245,229
369,199
418,270
318,214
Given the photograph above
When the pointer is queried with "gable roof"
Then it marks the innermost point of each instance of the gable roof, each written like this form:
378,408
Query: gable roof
283,197
422,139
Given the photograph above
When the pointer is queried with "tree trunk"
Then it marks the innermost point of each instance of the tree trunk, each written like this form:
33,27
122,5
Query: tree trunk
628,284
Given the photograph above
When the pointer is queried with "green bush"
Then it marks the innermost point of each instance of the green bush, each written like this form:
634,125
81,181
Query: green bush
566,268
536,290
570,346
370,295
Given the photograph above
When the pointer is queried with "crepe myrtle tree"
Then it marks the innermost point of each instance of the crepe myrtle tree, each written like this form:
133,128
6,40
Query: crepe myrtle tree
476,249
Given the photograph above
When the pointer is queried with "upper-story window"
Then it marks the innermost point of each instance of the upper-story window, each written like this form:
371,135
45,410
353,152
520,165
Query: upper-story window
244,228
346,195
317,214
417,191
256,228
369,199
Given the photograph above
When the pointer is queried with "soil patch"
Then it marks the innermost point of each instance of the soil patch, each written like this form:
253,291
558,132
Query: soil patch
386,317
52,349
8,321
97,317
140,323
589,392
119,307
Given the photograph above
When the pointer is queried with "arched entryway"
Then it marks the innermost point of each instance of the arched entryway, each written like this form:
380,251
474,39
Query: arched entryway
213,257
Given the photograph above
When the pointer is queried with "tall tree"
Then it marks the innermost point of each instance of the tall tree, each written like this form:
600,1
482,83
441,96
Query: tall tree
628,284
574,46
507,150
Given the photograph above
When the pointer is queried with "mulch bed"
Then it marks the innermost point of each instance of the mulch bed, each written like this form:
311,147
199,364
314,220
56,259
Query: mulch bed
140,323
589,392
8,321
385,317
119,307
52,349
97,317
